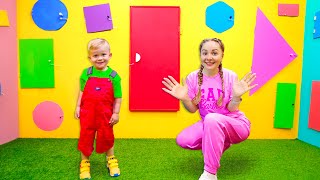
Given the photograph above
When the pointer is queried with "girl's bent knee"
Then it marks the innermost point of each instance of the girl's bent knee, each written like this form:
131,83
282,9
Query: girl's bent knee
181,141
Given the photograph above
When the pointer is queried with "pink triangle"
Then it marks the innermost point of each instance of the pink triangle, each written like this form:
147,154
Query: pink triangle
271,52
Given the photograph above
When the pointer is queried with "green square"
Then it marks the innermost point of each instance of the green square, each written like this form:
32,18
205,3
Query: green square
36,63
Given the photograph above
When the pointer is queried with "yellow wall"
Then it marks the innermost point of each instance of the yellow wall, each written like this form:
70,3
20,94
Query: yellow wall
70,59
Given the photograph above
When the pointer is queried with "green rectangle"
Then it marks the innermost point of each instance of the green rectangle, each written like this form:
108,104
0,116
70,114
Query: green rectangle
36,63
285,103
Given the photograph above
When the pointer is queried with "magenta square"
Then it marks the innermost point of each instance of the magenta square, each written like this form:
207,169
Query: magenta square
98,18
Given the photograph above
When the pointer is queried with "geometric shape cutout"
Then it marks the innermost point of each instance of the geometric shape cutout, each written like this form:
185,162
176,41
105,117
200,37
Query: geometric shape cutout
271,52
219,17
49,15
4,20
316,29
98,18
48,116
288,10
285,101
36,63
314,114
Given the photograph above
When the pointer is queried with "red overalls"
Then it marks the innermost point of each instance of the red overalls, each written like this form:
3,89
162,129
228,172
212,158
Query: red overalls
95,112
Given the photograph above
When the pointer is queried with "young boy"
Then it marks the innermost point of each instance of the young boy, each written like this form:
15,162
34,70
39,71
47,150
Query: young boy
98,107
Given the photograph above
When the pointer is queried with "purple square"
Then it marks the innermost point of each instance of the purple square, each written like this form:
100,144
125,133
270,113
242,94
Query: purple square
98,18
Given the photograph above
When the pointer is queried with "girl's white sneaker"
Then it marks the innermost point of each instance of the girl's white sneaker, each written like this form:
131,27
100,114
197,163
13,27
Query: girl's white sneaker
207,176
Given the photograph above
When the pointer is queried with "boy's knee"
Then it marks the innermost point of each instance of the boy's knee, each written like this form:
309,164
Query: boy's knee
85,151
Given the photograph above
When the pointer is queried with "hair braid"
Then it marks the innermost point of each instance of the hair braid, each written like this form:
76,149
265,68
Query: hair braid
197,98
222,83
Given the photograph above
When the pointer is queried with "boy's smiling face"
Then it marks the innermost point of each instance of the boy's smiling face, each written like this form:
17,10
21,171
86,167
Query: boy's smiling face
100,57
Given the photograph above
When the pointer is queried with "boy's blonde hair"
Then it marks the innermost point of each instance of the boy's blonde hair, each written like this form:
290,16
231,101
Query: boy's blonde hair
98,43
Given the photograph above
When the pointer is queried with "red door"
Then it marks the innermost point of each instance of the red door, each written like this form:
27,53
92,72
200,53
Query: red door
314,114
154,54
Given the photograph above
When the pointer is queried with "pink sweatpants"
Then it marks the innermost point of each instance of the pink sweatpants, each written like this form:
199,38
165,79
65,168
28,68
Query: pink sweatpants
213,135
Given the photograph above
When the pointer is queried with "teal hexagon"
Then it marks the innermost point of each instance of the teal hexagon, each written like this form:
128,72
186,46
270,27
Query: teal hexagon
219,17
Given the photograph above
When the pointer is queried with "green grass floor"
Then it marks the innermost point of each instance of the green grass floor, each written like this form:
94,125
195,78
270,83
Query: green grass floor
144,159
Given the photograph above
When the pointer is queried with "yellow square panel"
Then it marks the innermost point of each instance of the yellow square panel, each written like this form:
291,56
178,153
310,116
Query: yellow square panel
4,20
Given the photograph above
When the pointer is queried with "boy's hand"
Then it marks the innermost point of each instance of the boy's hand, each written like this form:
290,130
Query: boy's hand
114,119
77,112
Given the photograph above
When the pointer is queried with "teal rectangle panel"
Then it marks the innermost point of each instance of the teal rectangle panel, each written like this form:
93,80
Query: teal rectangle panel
285,104
310,73
36,63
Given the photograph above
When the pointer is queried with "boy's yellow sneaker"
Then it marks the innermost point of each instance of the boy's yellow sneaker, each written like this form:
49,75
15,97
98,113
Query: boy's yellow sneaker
113,166
85,169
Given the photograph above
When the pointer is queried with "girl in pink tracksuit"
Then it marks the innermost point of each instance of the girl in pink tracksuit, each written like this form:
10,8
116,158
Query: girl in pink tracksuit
216,93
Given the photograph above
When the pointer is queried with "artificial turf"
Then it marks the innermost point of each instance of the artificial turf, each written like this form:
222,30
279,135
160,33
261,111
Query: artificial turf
152,159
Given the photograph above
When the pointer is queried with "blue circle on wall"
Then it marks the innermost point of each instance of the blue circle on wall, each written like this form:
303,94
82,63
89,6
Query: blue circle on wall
49,15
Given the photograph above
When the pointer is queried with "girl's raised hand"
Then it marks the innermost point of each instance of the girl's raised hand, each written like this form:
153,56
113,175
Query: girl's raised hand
244,85
174,88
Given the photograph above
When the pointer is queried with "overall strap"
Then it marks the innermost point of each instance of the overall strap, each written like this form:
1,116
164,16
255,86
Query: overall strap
113,74
90,70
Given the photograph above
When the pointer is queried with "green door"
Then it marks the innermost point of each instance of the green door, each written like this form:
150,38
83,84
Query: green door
36,63
285,101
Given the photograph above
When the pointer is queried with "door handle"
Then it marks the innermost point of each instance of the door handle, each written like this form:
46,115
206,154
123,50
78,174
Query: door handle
137,58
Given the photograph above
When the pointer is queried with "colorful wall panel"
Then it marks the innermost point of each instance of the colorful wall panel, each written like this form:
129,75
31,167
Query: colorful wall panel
267,39
36,63
49,15
285,105
288,10
98,18
9,114
314,113
70,58
310,73
316,29
4,20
